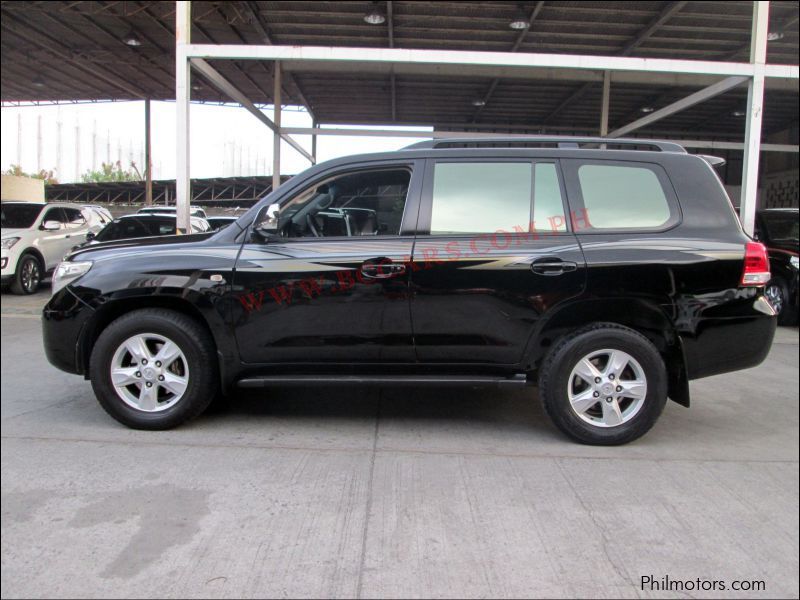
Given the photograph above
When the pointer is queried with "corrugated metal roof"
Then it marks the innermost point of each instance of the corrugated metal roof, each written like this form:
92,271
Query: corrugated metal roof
75,51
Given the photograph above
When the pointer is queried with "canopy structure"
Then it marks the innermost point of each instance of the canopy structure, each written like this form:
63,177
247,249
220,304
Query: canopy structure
672,70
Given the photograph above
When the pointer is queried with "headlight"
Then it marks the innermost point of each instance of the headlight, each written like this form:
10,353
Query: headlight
8,242
795,262
67,272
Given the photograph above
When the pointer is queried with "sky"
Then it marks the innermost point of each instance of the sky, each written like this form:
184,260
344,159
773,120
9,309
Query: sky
226,140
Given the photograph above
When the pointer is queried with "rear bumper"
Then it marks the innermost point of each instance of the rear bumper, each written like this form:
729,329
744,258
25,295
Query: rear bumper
725,345
63,320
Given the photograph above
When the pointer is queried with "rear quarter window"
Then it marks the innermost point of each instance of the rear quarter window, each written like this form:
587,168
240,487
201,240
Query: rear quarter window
624,196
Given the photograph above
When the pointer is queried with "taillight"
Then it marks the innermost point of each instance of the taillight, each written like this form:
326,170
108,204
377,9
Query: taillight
756,265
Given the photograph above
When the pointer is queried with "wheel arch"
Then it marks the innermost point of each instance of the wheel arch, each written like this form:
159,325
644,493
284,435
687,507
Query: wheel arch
34,251
637,314
115,308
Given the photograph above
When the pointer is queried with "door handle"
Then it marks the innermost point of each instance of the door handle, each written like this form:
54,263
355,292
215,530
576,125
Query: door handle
550,267
382,270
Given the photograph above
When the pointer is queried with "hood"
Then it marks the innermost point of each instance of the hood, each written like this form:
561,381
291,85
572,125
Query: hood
99,250
9,232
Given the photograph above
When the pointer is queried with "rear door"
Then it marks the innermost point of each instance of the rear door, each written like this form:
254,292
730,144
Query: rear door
495,252
77,228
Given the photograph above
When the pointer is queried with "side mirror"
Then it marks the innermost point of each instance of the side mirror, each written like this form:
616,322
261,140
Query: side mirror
90,235
267,221
51,225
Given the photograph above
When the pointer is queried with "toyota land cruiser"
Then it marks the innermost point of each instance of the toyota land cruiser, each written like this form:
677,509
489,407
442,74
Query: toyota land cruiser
608,272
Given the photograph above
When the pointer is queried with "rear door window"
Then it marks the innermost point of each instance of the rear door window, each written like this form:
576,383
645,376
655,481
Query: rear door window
615,195
495,196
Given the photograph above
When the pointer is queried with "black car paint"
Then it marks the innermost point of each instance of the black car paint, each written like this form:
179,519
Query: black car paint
679,287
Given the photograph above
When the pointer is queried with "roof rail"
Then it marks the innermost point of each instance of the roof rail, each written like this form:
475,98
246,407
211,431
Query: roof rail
544,141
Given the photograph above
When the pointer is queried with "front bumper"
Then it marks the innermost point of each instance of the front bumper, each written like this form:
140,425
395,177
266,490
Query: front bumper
63,321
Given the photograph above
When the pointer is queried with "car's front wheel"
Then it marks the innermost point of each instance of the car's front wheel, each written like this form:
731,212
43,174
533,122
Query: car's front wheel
603,385
28,275
154,369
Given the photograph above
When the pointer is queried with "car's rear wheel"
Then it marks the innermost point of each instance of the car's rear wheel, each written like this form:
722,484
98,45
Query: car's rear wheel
154,369
28,275
604,385
777,292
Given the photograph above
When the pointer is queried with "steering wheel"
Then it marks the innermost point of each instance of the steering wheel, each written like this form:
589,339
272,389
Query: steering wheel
311,226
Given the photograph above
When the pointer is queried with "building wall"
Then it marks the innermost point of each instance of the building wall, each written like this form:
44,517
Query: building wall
14,187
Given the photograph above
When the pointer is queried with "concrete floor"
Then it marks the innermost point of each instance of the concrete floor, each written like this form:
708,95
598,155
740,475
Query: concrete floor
391,493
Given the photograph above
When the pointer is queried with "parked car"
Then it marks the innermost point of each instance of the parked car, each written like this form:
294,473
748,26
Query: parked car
610,275
101,210
35,237
139,226
777,228
220,222
96,217
194,211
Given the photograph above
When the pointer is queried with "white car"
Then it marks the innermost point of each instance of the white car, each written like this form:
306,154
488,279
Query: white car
35,237
97,216
194,211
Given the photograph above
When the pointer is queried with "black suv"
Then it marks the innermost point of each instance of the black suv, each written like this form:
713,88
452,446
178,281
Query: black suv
609,273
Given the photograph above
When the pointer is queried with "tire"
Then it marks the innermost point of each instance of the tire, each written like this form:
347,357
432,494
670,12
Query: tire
777,292
595,419
28,276
184,384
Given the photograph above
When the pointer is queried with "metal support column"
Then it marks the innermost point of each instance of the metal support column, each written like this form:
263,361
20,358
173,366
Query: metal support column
755,106
605,103
314,125
276,136
148,159
183,28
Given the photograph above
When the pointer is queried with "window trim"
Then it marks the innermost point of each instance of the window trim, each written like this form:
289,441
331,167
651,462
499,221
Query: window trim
408,220
577,206
426,209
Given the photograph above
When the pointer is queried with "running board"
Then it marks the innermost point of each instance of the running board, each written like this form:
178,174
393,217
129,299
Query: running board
387,380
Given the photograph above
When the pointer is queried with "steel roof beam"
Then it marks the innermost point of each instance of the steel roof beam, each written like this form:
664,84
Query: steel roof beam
261,28
682,104
517,43
453,62
378,132
665,15
226,87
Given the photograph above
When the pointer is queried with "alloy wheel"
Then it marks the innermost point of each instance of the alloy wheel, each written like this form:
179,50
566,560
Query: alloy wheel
774,294
149,372
30,276
607,388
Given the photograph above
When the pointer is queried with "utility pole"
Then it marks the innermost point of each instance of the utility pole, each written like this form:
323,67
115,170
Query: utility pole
19,139
39,143
58,144
77,149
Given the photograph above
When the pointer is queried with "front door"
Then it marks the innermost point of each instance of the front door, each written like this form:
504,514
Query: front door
332,287
495,253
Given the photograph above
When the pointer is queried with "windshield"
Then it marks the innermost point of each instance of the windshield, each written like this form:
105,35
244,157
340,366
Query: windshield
123,229
781,226
20,216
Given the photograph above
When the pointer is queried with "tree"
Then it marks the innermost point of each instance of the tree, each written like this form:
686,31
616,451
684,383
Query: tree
112,172
47,176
